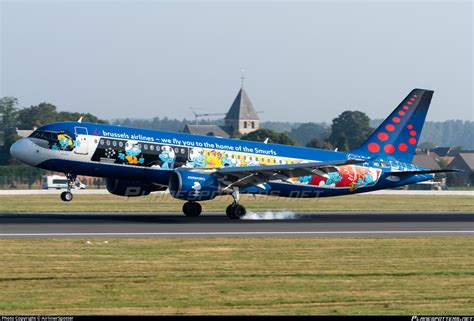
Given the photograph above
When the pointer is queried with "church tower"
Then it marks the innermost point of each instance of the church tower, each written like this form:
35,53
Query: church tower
241,117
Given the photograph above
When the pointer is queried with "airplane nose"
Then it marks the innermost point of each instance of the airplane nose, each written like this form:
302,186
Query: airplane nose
21,150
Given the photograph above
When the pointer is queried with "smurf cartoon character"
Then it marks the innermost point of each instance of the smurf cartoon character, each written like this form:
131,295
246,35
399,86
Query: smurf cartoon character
132,152
253,161
366,179
214,159
196,158
305,179
229,160
332,180
65,142
167,156
196,188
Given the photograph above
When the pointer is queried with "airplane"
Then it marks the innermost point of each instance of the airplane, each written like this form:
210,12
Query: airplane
136,162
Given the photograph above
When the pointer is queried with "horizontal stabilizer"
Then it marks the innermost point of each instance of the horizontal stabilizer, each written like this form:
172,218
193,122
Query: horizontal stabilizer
428,171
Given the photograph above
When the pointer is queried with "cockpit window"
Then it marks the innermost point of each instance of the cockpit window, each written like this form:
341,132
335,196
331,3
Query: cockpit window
37,134
56,140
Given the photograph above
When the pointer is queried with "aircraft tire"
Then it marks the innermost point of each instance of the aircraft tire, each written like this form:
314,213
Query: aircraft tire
66,196
235,211
192,209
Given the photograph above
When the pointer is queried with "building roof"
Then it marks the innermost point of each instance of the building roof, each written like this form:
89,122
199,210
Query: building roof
441,151
207,130
241,107
468,158
428,161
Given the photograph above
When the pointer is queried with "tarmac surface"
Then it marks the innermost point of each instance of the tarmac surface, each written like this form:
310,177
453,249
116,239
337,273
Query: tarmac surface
53,225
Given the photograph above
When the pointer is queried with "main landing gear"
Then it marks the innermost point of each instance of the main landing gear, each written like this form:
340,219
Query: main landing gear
67,195
235,211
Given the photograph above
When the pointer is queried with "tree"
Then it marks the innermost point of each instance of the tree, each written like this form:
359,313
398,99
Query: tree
37,116
317,143
349,130
274,137
306,131
8,123
44,113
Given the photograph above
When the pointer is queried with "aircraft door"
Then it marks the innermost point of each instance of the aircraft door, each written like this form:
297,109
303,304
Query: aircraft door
81,140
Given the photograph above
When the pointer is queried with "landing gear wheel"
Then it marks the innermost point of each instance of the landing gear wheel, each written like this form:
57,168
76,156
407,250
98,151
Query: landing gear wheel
192,209
66,196
235,211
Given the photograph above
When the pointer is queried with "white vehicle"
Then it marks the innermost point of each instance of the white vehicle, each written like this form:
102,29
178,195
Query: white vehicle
60,182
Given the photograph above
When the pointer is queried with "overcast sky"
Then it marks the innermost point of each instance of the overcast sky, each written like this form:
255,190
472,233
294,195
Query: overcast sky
304,61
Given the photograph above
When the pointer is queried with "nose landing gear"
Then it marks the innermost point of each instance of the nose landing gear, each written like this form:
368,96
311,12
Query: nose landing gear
67,195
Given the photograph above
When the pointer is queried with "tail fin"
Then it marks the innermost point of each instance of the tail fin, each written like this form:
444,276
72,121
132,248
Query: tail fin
398,135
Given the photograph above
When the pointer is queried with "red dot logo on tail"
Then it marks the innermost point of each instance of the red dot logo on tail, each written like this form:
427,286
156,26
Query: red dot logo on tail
382,136
402,147
373,147
389,149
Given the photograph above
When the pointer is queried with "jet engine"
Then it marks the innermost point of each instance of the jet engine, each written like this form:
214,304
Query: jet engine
131,188
193,186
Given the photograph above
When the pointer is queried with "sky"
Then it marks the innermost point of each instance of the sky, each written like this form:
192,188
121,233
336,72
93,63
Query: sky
304,61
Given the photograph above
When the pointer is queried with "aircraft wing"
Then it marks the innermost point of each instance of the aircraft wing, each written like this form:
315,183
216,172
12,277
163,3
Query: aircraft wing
256,175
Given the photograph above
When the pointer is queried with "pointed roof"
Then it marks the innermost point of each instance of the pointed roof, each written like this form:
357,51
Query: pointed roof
208,130
241,107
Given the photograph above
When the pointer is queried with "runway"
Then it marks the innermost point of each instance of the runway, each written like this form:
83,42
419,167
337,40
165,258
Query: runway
49,225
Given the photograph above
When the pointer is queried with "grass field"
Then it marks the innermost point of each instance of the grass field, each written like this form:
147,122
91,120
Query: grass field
261,275
165,203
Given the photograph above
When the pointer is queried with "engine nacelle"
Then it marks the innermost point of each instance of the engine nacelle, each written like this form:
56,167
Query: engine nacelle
130,188
193,186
